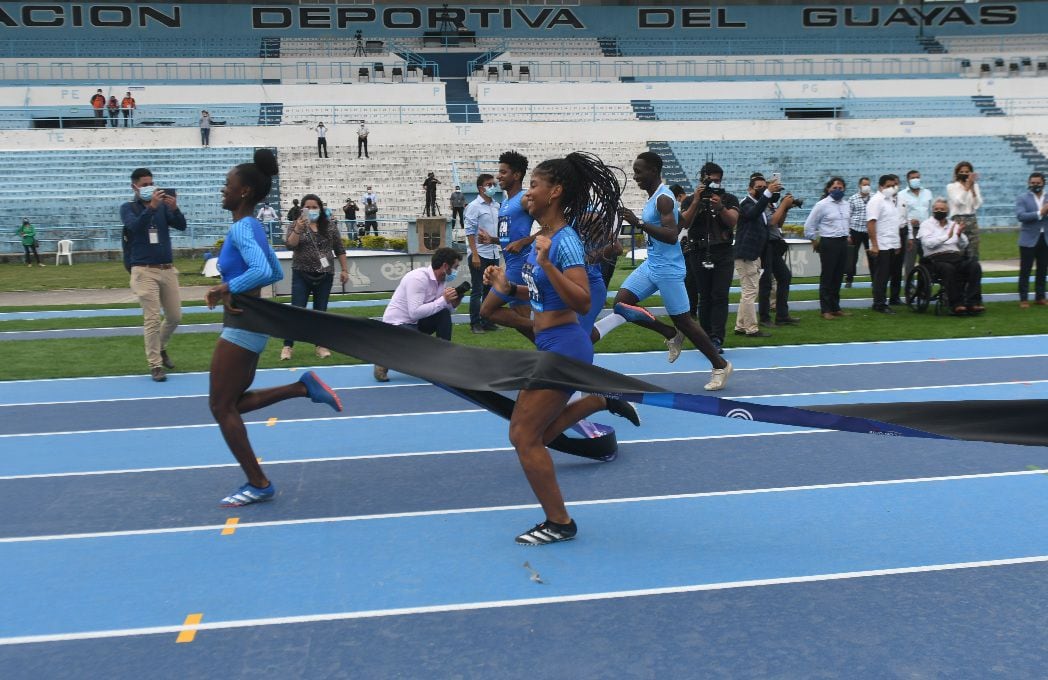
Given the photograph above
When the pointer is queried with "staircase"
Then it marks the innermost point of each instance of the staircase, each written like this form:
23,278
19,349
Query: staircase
1029,152
270,113
461,106
987,105
609,47
643,109
672,171
932,46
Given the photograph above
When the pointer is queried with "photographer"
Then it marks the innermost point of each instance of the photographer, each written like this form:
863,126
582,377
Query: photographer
774,262
711,216
421,300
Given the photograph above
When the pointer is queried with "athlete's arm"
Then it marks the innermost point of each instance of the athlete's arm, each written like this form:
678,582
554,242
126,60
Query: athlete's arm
572,284
666,231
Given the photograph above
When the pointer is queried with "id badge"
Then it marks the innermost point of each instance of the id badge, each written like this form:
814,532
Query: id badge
324,262
154,237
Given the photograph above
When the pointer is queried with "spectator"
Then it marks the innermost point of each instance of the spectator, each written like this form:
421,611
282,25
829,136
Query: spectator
430,185
482,215
422,302
882,222
269,219
684,201
857,235
710,250
362,140
1032,211
295,212
313,238
915,204
827,227
965,198
321,140
113,107
29,243
205,128
148,221
350,211
98,103
127,105
775,266
370,202
458,205
944,245
751,236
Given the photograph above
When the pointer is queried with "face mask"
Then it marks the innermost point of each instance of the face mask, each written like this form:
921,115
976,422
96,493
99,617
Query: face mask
837,194
146,193
314,215
492,191
1036,188
940,215
452,275
865,190
889,192
915,183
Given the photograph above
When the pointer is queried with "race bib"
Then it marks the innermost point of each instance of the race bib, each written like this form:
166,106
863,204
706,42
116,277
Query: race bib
528,274
503,226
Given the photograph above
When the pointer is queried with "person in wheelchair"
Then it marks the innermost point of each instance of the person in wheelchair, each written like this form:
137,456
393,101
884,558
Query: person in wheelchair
945,255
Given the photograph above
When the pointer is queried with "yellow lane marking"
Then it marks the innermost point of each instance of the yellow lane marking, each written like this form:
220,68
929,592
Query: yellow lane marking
231,526
271,422
188,634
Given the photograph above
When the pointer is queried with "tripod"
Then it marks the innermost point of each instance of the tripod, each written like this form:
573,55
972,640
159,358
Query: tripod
359,51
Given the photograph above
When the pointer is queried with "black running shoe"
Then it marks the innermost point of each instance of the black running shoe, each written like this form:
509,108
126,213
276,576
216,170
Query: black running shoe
624,409
548,532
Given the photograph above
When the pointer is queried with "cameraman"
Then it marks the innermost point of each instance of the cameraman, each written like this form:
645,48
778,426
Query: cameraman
422,302
711,218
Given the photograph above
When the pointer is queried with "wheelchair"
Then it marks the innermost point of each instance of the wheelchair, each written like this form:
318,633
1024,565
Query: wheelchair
923,286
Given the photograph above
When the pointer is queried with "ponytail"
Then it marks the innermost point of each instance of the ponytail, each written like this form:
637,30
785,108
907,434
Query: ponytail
591,196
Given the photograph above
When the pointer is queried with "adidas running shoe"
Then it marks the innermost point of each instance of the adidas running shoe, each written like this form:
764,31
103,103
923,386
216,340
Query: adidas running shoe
248,494
548,532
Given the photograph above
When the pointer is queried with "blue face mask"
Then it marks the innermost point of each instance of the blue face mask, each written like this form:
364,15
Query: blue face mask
452,275
492,191
313,215
146,193
837,194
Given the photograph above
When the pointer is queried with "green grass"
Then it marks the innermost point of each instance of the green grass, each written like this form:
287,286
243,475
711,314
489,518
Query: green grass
27,359
18,277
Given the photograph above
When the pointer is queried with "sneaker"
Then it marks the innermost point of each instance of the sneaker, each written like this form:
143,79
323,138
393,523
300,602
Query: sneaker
247,494
476,330
633,313
319,392
624,409
381,374
285,353
489,326
758,334
548,532
157,373
168,364
40,264
323,352
719,378
673,346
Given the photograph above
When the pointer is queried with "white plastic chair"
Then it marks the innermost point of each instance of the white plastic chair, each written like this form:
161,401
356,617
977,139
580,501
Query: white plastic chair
65,249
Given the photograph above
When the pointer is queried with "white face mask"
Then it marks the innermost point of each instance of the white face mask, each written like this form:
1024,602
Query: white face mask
915,183
492,191
146,193
889,191
864,189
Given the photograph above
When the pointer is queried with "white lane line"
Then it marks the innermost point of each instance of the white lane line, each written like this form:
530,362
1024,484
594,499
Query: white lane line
661,353
523,602
506,508
350,388
379,456
246,422
873,390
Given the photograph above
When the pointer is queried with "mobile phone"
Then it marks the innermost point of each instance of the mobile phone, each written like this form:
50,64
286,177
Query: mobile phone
170,192
776,177
462,288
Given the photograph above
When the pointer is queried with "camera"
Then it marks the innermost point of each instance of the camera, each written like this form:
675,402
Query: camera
462,289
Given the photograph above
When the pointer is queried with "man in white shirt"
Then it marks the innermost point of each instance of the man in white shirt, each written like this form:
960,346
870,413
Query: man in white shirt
321,140
916,205
883,220
269,219
362,140
422,302
482,215
944,245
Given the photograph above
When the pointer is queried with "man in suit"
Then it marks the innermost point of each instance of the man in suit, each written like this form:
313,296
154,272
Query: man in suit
751,236
1032,211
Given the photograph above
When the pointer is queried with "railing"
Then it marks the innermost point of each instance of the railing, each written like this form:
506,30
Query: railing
147,47
770,46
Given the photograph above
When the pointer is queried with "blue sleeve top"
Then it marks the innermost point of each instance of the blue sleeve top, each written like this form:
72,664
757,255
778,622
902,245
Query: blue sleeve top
246,261
566,251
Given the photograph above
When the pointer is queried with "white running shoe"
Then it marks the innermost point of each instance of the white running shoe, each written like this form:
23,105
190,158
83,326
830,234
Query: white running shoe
674,346
719,378
285,353
323,352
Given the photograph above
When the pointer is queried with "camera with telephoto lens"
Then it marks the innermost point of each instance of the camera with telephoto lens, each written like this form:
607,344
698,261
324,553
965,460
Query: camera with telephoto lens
797,202
462,289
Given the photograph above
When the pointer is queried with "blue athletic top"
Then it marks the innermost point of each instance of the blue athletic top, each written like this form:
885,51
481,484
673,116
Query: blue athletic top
664,259
246,261
565,252
514,224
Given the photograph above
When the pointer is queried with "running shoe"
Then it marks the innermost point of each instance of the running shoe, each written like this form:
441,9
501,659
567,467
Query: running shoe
319,392
248,494
719,378
548,532
624,409
633,313
674,345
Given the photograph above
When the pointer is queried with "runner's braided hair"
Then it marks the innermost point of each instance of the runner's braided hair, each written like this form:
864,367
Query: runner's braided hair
591,196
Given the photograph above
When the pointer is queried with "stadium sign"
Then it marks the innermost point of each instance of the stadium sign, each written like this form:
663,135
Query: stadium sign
872,17
97,16
413,17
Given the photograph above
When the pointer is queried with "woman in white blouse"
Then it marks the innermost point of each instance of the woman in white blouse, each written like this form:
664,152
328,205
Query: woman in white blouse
964,199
